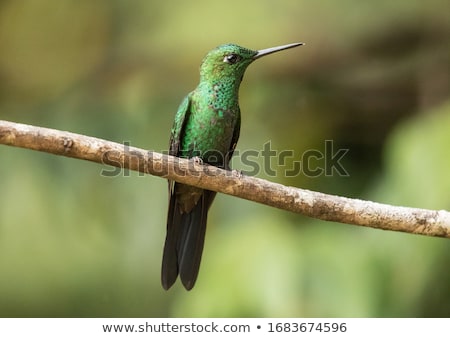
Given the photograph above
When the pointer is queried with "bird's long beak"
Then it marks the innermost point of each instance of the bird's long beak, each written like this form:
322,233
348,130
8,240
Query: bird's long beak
271,50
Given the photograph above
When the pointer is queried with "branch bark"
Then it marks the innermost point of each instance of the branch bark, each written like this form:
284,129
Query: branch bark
305,202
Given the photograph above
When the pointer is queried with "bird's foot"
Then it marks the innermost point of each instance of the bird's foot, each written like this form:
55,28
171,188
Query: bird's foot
197,160
237,173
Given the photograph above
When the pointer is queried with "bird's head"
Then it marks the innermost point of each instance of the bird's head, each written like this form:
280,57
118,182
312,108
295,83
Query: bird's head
230,60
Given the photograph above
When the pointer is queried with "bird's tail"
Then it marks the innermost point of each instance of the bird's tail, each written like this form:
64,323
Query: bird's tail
184,241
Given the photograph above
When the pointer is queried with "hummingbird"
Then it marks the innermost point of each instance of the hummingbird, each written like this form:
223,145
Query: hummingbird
206,128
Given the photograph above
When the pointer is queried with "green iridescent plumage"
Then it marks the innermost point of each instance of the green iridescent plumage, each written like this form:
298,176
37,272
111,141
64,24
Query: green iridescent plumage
206,126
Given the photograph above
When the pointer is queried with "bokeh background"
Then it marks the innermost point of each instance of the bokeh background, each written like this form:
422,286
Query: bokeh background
373,77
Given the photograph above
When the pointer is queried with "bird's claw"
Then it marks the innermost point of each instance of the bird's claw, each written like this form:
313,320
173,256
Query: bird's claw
197,160
237,173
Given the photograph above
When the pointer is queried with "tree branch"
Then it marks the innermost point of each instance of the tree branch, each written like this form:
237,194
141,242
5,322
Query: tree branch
305,202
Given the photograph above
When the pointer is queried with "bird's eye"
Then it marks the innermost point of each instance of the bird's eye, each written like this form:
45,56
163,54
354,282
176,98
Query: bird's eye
231,58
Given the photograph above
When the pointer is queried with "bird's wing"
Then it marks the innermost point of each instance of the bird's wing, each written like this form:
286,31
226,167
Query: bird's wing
179,123
177,131
184,229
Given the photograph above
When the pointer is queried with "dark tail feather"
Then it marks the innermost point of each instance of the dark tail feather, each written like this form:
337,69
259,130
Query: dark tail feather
169,271
184,241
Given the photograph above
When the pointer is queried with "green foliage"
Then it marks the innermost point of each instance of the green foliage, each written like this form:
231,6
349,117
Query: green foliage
373,77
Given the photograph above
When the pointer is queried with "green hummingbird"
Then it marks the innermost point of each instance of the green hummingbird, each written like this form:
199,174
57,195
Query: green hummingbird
206,128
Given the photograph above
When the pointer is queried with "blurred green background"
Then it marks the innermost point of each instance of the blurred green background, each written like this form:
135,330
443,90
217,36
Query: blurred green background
373,77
